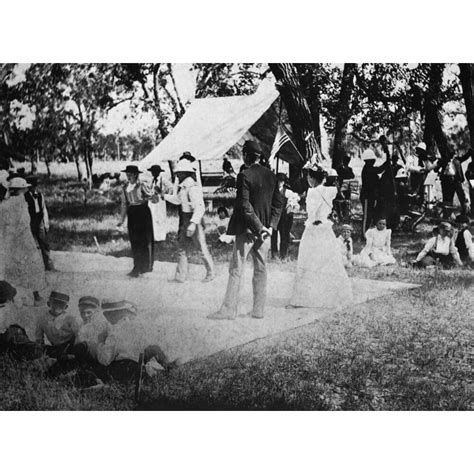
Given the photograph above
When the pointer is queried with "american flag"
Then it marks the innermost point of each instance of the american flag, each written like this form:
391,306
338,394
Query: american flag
281,138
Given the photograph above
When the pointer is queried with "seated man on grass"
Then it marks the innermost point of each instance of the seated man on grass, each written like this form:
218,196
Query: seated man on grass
119,351
439,250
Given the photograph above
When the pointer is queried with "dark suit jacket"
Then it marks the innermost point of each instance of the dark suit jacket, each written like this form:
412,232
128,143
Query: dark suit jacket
370,182
258,203
459,176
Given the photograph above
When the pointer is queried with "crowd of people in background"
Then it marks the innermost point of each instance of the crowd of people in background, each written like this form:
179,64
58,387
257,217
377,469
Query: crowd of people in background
105,339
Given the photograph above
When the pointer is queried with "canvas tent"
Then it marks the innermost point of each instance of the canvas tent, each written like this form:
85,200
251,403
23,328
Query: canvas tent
211,127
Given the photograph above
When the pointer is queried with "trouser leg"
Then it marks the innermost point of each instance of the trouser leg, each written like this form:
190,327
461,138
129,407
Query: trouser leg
236,270
461,196
259,282
368,208
447,189
42,239
199,239
274,244
287,224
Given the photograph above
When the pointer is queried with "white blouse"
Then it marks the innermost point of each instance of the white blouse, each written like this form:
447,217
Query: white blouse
319,203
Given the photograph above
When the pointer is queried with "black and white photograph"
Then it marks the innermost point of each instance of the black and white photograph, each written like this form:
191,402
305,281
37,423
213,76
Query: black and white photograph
196,237
237,236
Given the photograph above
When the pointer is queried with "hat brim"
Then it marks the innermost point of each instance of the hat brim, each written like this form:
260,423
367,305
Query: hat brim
130,171
20,187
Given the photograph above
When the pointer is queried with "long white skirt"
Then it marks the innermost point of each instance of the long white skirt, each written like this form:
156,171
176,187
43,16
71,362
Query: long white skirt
321,279
158,216
21,263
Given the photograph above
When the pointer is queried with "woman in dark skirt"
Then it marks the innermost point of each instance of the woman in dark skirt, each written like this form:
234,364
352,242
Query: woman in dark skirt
135,197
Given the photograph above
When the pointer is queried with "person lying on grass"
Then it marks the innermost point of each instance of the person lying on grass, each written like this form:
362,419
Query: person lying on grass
13,337
59,327
463,240
440,249
119,351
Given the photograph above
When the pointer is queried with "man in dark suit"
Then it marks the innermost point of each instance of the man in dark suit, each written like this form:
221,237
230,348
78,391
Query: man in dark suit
452,179
256,213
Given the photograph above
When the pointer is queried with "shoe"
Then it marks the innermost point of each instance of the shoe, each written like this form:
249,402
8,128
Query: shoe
250,315
133,274
175,280
219,315
209,277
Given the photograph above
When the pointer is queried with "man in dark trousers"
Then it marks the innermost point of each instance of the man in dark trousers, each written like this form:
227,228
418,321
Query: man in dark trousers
387,199
368,192
452,179
39,220
256,214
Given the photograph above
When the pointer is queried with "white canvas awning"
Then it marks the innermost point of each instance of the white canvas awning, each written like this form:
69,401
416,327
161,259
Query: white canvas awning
210,127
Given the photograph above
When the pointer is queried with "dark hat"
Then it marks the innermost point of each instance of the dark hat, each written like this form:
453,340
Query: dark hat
462,219
446,226
89,301
251,146
156,169
131,169
33,180
187,156
7,292
55,295
282,177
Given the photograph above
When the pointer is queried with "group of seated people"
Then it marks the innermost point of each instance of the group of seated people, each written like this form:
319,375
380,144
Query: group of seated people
449,246
106,341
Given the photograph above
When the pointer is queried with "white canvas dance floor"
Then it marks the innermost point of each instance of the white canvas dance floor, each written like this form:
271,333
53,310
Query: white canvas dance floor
176,313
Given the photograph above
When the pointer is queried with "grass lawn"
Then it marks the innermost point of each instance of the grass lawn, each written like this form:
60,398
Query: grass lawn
412,350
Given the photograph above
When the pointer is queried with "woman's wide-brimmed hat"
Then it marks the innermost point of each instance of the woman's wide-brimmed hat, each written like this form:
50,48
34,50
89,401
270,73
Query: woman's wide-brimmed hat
184,166
114,311
131,169
18,183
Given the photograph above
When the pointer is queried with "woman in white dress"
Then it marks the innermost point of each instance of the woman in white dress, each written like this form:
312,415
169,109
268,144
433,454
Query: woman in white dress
321,279
377,250
21,262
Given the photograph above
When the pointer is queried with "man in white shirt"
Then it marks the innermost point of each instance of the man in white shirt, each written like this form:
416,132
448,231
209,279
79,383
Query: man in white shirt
119,351
440,249
190,198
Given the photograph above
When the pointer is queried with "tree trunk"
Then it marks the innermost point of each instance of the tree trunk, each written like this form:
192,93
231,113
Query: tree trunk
343,113
298,111
433,126
34,162
467,82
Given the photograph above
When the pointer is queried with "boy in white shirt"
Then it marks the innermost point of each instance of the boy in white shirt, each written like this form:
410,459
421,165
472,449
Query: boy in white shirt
463,240
59,327
346,246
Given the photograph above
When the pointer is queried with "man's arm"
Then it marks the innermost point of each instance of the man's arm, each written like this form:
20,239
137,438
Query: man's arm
243,200
427,248
277,207
466,156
